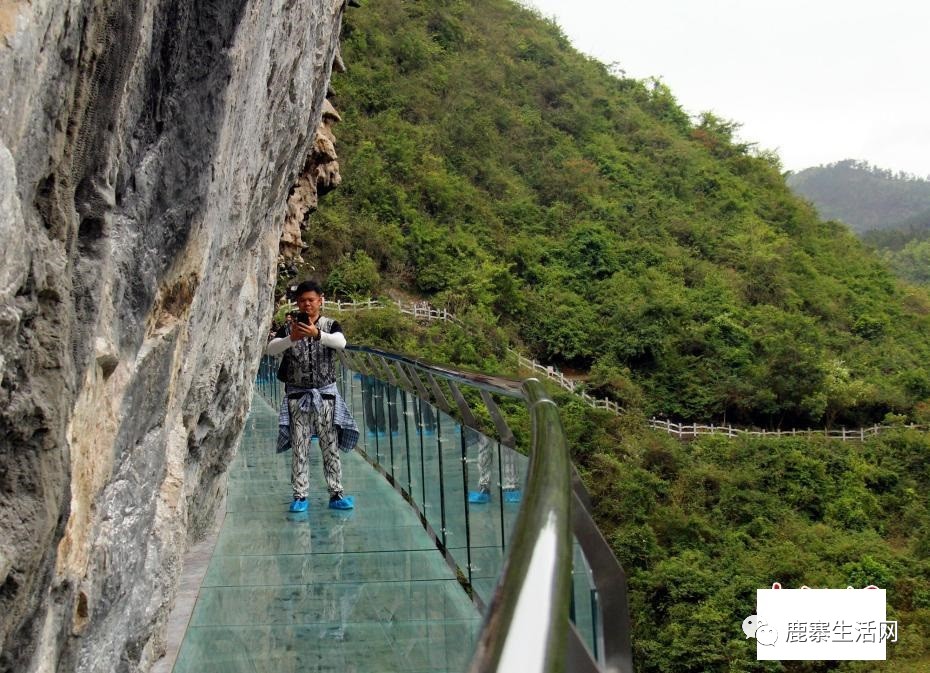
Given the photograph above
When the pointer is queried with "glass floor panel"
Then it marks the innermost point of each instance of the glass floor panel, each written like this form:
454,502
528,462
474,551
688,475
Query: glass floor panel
426,459
360,591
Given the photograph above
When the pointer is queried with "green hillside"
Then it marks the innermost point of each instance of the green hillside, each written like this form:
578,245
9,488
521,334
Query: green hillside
905,247
700,526
891,212
492,168
863,196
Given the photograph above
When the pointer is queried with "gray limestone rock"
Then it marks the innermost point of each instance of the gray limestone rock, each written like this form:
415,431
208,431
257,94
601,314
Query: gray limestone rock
147,149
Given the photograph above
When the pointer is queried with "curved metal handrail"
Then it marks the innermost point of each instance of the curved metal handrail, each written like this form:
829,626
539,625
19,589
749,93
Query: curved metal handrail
532,599
527,625
494,384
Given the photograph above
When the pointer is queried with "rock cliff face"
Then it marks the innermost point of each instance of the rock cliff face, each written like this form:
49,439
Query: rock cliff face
147,151
319,176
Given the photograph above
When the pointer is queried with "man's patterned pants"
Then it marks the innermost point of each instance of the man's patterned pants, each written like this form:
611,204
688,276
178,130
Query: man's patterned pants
303,426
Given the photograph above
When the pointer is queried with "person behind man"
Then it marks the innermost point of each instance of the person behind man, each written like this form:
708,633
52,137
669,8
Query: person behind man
314,406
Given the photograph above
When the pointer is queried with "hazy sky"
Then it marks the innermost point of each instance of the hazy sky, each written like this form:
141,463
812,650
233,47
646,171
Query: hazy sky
817,81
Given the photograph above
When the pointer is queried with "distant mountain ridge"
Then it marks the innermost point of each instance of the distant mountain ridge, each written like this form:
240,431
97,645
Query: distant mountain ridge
864,196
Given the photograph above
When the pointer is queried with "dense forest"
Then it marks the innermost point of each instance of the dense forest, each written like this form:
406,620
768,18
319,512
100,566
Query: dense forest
492,169
906,248
700,526
890,211
864,196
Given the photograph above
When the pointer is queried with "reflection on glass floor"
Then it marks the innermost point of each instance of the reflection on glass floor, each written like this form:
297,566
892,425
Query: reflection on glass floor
421,447
359,591
425,450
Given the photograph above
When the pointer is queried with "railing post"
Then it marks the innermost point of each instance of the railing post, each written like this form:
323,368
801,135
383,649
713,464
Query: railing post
391,421
442,481
403,397
379,412
500,494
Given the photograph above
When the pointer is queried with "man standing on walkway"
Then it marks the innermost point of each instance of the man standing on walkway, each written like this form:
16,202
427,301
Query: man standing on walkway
314,406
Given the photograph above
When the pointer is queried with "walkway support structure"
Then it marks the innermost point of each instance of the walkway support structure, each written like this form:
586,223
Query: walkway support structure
516,528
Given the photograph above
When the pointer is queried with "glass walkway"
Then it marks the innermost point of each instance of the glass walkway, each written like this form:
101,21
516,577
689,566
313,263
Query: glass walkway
400,583
324,590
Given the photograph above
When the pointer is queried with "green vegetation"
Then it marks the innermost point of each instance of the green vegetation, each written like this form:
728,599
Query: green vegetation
911,262
906,248
492,169
890,211
864,197
488,165
700,526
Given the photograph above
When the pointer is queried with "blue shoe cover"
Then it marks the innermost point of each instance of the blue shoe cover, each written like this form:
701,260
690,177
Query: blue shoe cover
479,497
512,495
298,506
345,502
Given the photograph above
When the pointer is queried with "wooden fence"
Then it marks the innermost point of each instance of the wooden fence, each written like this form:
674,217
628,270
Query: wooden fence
417,309
422,310
689,431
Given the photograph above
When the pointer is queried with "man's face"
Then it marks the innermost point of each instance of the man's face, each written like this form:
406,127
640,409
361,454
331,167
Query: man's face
309,303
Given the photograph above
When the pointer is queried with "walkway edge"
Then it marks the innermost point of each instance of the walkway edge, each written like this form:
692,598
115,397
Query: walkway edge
195,564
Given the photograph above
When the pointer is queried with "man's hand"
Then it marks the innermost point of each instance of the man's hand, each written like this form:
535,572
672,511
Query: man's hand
302,331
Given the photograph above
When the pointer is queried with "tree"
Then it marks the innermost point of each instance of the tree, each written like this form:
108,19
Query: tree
355,276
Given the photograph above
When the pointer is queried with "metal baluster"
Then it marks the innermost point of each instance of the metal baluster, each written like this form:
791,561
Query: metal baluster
391,422
465,499
422,452
403,397
500,497
442,483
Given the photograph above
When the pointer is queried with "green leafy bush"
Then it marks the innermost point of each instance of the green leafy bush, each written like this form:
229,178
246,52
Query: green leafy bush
699,526
355,276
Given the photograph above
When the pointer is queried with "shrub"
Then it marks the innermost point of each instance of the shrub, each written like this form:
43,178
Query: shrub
355,276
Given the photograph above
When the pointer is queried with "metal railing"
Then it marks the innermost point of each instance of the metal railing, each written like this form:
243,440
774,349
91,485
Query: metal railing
439,435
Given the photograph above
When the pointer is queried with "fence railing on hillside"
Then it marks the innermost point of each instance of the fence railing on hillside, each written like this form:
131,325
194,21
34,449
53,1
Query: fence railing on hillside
692,430
427,312
423,310
418,309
